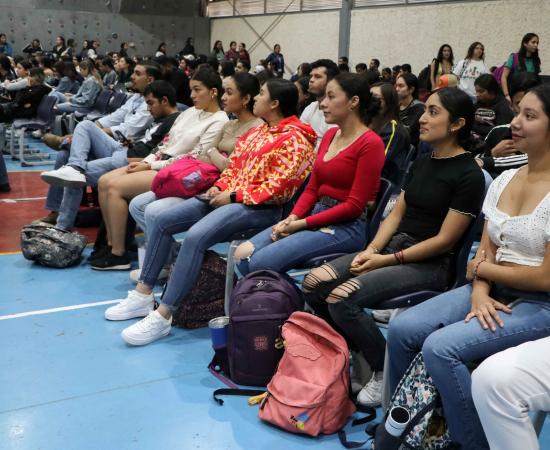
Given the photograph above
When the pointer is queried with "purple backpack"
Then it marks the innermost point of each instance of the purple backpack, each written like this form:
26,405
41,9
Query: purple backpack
497,74
260,303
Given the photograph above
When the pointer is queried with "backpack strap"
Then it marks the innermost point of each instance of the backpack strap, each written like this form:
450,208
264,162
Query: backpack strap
370,415
393,127
239,392
515,61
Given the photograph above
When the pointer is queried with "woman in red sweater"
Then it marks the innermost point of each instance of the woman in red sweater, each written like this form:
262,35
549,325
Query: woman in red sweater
329,215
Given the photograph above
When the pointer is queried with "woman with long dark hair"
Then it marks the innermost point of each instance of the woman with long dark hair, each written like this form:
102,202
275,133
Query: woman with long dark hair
413,248
442,64
471,67
526,59
410,108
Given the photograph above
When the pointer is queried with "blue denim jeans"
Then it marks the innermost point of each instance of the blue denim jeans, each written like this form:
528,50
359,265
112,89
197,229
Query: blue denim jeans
205,227
282,255
437,328
95,152
145,208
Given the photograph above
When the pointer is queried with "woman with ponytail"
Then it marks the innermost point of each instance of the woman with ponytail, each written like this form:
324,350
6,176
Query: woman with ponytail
329,217
413,248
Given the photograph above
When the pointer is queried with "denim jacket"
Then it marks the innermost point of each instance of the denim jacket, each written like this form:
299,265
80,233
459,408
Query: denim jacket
88,92
66,85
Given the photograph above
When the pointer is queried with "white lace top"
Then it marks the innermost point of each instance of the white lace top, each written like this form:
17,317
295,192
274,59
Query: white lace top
520,239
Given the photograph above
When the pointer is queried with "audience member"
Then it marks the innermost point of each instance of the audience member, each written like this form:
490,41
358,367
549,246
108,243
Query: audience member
26,101
177,78
189,48
470,68
227,69
66,73
33,48
393,134
5,46
232,54
343,64
305,98
22,70
360,68
161,50
277,61
242,66
329,217
414,246
107,69
6,71
386,75
217,51
94,151
59,46
442,64
374,65
475,321
85,98
410,108
525,60
322,71
243,53
124,69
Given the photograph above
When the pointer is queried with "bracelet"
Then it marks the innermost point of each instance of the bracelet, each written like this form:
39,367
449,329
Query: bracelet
476,268
399,257
374,248
210,150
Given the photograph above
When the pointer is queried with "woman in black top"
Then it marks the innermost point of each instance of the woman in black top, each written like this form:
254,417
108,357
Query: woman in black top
413,247
394,135
26,100
410,108
492,109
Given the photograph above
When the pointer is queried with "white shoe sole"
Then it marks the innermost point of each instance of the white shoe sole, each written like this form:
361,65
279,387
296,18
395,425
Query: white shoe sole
142,312
56,181
119,267
133,341
373,404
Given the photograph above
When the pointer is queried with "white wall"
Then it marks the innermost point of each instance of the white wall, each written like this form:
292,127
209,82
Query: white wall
413,34
399,34
303,36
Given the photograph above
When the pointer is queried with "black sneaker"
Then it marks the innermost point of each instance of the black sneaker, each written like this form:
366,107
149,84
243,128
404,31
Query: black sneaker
4,187
99,252
111,262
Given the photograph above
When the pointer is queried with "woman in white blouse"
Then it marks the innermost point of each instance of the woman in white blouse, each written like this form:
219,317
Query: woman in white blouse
471,67
475,321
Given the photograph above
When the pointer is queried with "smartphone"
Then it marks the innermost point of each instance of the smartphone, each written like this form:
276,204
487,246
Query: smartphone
123,139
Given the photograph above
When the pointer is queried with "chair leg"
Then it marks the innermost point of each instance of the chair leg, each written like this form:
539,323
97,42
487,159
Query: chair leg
43,158
230,274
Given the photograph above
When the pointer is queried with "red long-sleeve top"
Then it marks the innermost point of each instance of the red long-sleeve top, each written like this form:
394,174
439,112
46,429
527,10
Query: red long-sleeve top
352,177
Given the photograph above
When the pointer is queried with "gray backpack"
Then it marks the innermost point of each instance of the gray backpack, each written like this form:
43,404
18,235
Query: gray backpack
50,246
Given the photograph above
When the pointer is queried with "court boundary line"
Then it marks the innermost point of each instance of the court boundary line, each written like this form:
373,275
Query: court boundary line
41,312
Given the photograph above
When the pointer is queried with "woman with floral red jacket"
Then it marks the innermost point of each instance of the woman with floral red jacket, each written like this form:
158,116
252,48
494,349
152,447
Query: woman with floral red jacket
266,168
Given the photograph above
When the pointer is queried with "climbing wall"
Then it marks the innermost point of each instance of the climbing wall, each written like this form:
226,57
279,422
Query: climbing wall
146,23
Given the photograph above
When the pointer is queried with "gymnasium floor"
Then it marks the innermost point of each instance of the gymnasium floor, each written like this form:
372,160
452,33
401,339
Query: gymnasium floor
69,382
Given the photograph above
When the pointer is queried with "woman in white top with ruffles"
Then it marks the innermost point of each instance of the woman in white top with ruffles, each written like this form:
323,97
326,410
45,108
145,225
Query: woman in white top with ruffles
468,324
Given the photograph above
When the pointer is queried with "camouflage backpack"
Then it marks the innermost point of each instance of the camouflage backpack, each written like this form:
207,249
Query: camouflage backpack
50,246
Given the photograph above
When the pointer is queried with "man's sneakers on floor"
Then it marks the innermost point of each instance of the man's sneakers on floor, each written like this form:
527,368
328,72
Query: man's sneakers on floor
147,330
135,305
163,275
371,394
110,261
65,176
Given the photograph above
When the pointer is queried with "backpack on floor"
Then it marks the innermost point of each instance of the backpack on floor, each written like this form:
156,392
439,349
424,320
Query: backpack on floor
206,300
309,393
50,246
427,429
259,305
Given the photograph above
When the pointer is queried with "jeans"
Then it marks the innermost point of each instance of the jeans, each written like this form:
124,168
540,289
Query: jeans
96,153
437,328
145,208
508,385
205,227
281,255
348,316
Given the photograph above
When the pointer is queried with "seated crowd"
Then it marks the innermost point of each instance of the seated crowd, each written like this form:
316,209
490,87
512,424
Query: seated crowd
303,160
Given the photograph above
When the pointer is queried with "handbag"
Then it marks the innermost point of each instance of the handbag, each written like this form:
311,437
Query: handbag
184,178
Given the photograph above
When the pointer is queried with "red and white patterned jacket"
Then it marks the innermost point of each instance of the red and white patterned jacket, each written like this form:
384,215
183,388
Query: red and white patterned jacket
269,164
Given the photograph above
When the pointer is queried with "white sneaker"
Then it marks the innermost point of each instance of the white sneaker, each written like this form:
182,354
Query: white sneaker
135,305
37,134
147,330
65,176
371,394
163,275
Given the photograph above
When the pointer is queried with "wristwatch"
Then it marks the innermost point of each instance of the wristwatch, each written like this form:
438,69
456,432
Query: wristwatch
233,197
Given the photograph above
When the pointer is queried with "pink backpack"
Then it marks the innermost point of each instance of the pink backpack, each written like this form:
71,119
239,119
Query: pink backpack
497,74
309,393
184,178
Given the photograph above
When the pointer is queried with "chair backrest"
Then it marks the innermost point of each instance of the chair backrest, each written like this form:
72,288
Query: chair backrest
45,110
411,155
382,198
119,98
102,101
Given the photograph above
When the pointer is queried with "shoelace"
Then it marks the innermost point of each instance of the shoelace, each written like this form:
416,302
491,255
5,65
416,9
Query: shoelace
148,322
372,387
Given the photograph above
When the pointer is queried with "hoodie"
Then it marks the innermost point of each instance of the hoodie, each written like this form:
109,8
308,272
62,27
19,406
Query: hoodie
269,164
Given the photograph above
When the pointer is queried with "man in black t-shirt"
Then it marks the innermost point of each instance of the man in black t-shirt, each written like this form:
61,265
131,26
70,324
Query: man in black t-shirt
177,78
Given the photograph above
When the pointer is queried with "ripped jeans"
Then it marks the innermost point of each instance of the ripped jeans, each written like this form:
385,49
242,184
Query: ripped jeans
299,247
367,290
